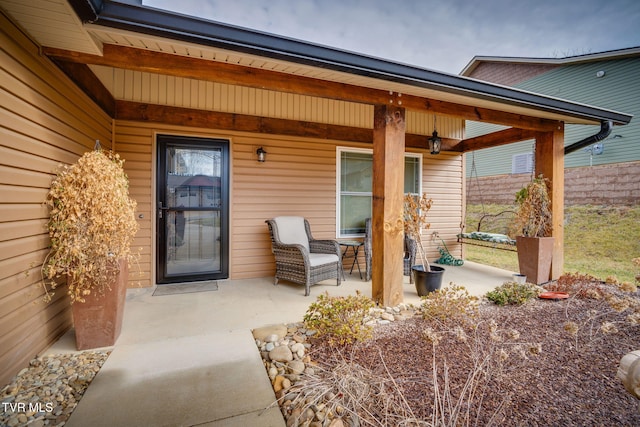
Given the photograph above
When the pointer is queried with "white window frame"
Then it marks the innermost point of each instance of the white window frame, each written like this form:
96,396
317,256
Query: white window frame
339,151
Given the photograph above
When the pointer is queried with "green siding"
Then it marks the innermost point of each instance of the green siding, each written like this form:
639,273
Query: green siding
618,90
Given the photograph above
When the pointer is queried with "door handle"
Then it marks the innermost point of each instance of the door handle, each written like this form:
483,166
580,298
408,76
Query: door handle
160,209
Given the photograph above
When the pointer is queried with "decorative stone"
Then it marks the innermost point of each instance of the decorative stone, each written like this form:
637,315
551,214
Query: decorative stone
298,349
264,332
272,338
281,354
277,383
387,316
273,372
296,367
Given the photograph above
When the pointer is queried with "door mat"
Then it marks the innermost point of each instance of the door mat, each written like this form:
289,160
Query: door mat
185,288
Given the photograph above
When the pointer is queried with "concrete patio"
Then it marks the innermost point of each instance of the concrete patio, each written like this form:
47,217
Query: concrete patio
190,359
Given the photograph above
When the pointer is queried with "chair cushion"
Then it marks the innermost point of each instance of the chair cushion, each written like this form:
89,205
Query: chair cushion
321,259
291,230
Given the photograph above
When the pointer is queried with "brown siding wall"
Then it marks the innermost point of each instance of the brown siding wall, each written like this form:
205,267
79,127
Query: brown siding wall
298,178
617,184
44,121
508,74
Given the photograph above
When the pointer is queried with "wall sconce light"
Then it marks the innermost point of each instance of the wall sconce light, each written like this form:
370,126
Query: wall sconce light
262,155
435,142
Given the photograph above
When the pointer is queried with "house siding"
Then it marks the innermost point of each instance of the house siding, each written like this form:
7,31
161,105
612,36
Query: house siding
45,120
508,74
298,178
619,90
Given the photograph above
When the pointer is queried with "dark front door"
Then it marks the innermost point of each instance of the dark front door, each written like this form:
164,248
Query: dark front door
192,209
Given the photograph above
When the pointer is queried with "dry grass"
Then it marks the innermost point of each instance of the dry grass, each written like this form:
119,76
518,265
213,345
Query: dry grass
601,241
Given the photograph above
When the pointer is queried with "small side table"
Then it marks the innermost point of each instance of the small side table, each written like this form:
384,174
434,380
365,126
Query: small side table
354,245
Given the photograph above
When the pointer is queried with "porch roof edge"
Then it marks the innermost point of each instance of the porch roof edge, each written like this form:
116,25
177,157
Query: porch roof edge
146,20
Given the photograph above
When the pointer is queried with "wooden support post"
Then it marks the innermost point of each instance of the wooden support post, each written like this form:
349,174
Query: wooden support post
549,160
387,218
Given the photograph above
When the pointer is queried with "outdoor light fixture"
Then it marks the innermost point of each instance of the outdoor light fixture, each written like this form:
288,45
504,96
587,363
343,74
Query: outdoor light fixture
435,142
262,155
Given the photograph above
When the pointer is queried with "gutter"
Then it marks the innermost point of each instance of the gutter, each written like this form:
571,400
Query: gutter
606,126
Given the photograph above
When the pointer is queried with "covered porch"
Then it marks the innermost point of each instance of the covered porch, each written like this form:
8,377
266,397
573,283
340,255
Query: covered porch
198,349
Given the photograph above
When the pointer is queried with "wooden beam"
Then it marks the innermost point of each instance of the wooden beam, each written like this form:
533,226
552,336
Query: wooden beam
549,160
135,111
202,69
388,190
478,114
502,137
126,110
84,78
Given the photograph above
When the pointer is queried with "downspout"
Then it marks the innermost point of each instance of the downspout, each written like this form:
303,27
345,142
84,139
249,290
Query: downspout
606,126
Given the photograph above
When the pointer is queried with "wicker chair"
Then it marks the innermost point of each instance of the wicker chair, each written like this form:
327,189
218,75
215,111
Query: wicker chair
408,260
299,257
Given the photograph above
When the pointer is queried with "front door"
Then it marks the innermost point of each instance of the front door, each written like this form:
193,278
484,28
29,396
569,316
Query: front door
192,209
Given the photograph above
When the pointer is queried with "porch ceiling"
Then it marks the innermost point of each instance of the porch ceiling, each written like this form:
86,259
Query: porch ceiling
54,23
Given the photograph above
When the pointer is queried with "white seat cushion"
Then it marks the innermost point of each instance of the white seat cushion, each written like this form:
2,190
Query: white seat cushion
291,231
321,259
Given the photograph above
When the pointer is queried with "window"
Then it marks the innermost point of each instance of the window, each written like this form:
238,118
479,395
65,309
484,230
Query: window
355,185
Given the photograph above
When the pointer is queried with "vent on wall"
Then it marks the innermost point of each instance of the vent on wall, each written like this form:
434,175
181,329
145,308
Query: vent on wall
522,163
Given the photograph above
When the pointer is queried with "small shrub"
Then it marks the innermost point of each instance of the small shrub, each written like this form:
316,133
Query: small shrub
513,293
340,319
451,304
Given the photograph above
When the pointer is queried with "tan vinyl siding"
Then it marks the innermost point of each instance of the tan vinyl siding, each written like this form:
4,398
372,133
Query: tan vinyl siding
421,123
443,176
44,121
190,93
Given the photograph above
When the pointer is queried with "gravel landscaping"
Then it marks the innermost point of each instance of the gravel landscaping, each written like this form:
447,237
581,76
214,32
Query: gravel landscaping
48,390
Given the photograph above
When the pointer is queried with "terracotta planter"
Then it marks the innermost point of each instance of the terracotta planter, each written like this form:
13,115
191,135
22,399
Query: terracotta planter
427,281
534,258
98,321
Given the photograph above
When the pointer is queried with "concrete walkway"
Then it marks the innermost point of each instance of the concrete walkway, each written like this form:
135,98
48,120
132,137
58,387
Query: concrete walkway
190,359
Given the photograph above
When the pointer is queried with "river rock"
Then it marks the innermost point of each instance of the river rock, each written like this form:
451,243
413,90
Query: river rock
296,367
264,332
281,353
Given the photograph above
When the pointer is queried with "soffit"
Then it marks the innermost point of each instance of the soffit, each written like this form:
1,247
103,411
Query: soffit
51,23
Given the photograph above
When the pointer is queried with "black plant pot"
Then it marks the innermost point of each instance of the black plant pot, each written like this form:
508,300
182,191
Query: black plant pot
427,281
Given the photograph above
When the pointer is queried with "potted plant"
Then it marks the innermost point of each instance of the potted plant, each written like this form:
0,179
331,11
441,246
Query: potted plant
426,277
532,227
92,224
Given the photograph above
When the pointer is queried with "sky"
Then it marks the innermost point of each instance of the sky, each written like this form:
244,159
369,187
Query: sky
442,35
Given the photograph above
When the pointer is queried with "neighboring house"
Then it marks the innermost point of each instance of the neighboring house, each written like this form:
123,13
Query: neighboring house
602,172
178,96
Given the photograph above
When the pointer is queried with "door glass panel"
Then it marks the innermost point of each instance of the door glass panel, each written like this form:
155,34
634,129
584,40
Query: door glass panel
193,244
